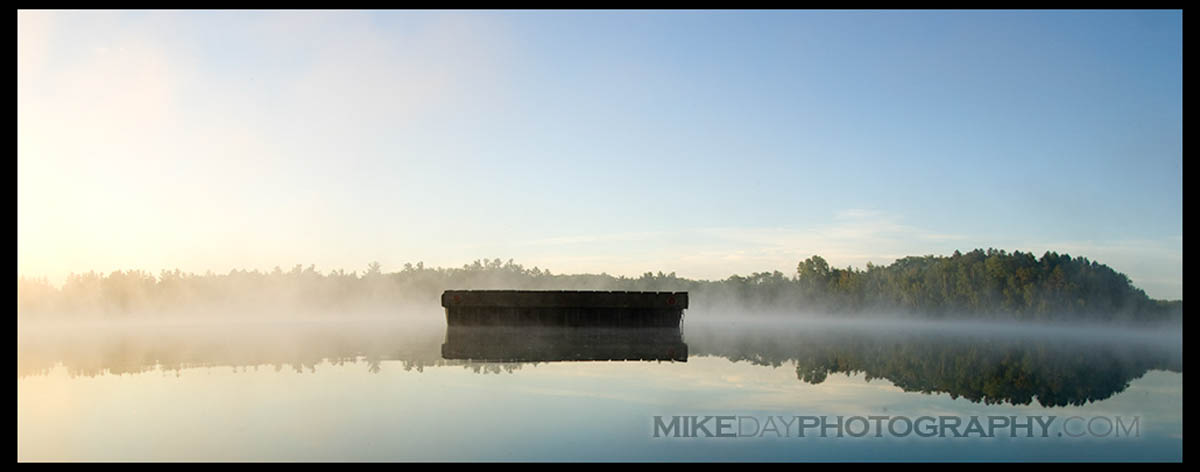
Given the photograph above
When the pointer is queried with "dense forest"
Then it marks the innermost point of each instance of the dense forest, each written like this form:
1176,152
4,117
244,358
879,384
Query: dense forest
990,284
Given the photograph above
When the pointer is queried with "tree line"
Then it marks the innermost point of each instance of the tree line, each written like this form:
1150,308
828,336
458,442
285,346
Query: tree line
991,284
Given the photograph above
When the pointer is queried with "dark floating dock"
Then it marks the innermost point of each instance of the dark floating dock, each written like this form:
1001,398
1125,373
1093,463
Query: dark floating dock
592,309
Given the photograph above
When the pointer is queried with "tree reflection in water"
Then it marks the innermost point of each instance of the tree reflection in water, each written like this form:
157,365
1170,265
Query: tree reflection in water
1052,370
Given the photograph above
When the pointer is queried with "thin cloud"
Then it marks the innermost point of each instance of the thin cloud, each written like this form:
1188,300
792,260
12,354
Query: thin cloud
851,238
595,238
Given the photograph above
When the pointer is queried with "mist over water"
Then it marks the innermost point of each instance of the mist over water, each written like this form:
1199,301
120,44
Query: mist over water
414,338
133,322
235,229
991,285
734,364
254,366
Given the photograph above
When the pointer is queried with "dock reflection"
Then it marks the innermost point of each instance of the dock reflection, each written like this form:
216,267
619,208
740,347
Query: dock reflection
1050,368
551,344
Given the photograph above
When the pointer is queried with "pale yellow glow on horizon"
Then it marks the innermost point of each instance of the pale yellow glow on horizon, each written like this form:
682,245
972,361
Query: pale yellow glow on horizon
131,156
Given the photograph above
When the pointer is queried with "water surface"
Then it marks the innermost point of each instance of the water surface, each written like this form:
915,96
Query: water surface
389,390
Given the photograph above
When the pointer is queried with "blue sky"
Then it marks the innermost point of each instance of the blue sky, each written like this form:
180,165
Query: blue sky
705,143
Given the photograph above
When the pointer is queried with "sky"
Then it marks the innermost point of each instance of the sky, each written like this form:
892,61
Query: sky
702,143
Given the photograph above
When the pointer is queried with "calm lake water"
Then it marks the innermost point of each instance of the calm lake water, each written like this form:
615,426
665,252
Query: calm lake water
378,390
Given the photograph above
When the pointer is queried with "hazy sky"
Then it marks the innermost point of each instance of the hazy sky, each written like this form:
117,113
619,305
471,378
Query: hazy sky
705,143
